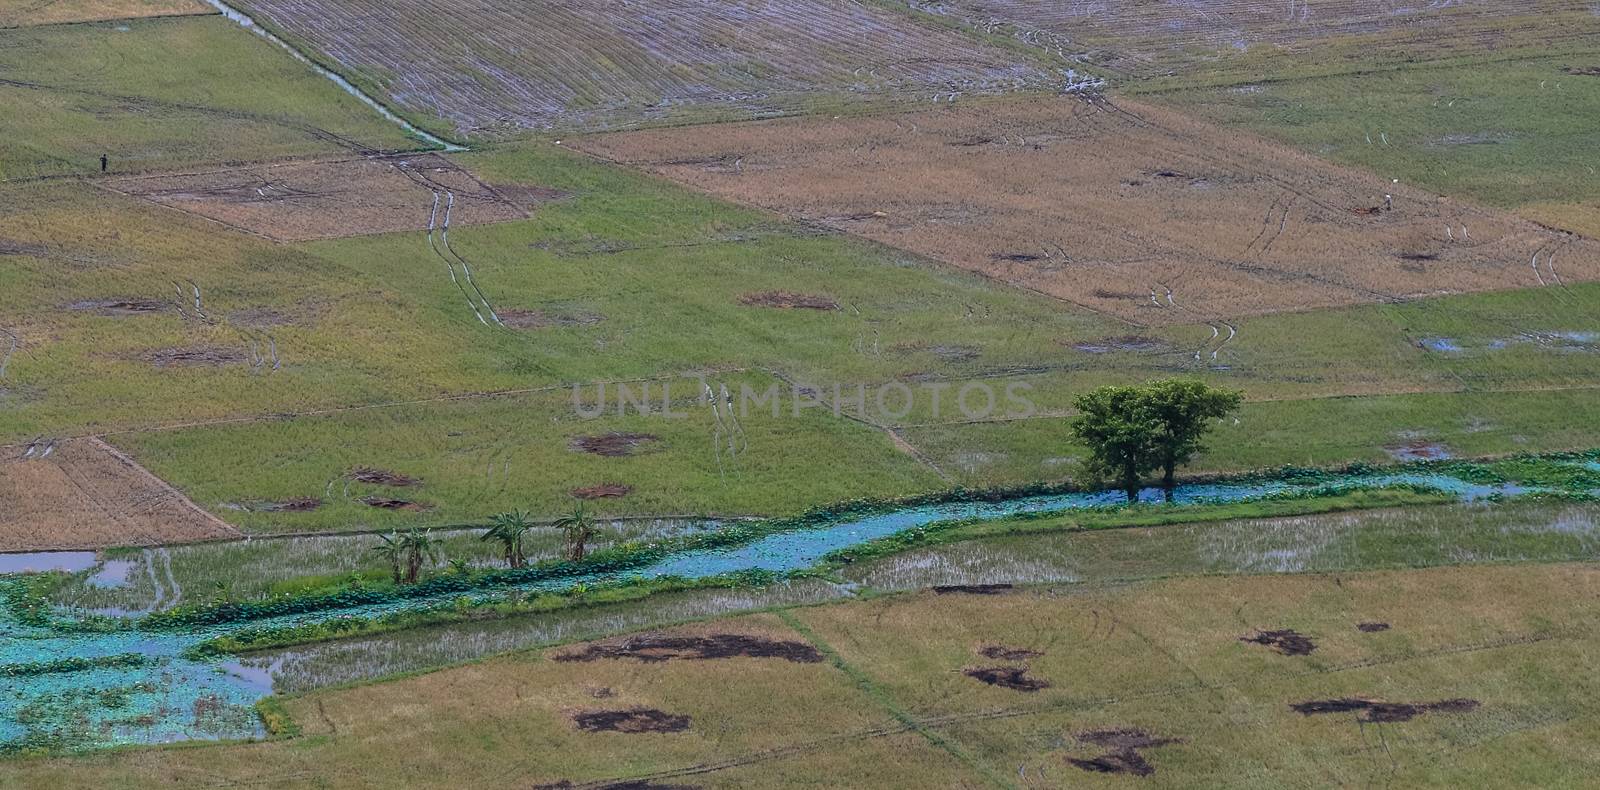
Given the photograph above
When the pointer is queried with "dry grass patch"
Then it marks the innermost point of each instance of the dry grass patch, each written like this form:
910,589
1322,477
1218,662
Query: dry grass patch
345,197
21,13
81,494
1126,209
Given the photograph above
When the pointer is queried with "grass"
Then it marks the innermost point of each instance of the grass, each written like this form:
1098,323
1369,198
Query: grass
1513,135
21,13
1164,656
165,94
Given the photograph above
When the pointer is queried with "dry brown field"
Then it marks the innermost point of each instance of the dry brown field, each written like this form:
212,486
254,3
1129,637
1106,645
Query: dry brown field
300,201
21,13
82,494
1123,208
502,66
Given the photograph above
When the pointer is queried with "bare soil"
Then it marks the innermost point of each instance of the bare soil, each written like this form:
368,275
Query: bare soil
1371,628
1419,451
1583,71
603,491
1098,203
788,300
301,505
539,319
118,307
1122,755
394,504
84,495
1287,641
1382,712
382,477
633,720
612,445
656,648
298,201
197,356
1003,653
1007,677
971,589
1130,343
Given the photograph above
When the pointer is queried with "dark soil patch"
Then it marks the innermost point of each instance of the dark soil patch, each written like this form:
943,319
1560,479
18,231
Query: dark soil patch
788,300
1007,677
1169,174
948,353
656,648
117,307
612,445
1367,211
1287,641
9,247
628,784
1371,628
394,504
633,720
197,356
541,319
381,477
1016,257
602,491
1419,256
1003,653
971,589
1124,343
1123,756
1419,451
1381,712
1583,71
301,505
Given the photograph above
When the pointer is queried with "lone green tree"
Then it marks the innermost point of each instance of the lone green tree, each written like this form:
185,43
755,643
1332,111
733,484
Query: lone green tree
577,529
1114,422
1131,431
508,529
1183,410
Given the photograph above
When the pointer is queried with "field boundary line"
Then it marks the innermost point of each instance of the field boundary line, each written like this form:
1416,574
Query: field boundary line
6,29
163,485
1462,61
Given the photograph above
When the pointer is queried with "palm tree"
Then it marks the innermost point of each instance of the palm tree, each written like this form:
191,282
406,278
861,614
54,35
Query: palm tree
578,530
391,548
509,529
418,544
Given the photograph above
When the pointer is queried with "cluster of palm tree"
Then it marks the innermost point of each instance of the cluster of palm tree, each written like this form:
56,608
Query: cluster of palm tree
405,552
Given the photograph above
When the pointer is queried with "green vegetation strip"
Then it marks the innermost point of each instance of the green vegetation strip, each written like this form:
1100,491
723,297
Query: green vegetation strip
74,664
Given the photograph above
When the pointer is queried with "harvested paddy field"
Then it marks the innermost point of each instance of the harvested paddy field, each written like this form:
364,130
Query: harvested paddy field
21,13
1473,682
504,66
1150,38
82,494
1121,208
344,197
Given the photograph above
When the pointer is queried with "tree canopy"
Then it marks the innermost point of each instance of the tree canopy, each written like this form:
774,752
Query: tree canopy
1133,430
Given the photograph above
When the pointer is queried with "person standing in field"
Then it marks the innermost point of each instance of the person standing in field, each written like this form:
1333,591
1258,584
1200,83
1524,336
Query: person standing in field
104,161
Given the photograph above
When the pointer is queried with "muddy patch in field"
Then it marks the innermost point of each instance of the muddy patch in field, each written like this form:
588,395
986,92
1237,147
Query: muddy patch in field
1127,343
1015,678
789,300
300,505
9,247
394,504
380,477
1374,711
1372,628
971,589
632,721
1419,450
603,491
626,784
947,353
1583,71
1287,641
1122,751
611,445
656,648
541,319
196,356
1003,653
117,307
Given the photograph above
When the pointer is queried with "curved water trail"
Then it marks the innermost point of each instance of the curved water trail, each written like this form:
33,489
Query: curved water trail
167,685
248,23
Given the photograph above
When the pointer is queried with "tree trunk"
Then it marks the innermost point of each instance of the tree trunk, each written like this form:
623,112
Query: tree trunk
1130,483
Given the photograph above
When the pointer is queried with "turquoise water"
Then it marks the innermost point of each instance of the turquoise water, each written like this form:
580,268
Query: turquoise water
174,698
